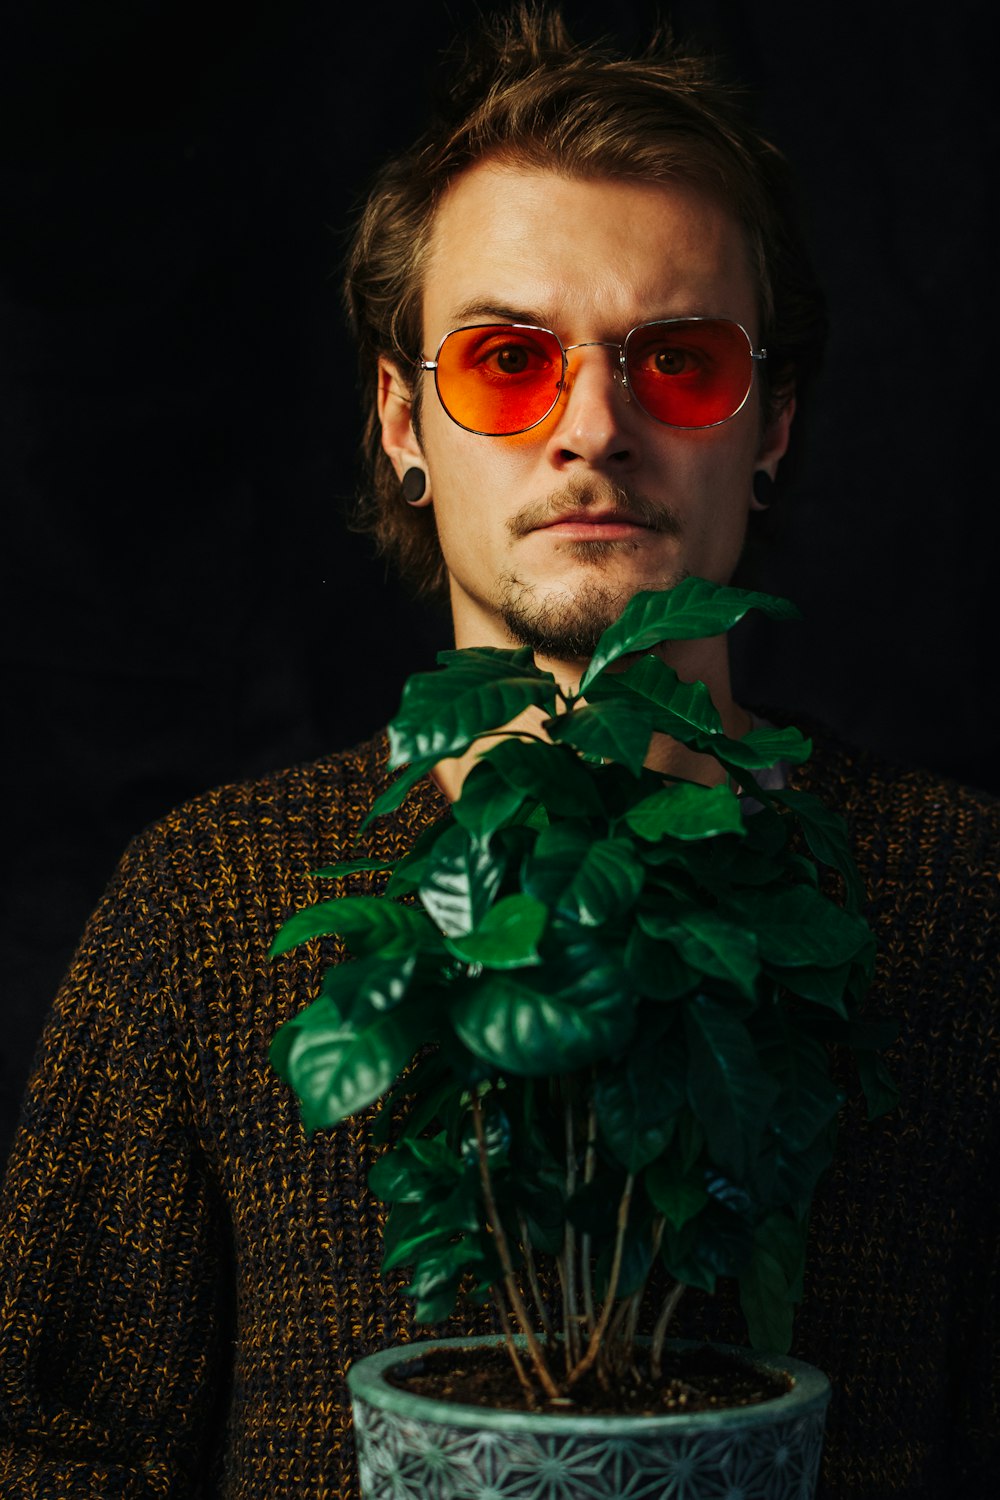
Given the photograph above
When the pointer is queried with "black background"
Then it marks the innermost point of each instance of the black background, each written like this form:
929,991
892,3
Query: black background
178,416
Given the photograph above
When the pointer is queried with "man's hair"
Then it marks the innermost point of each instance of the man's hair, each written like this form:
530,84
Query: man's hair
525,94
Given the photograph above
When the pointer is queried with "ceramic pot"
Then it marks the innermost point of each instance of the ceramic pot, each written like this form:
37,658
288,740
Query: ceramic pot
412,1447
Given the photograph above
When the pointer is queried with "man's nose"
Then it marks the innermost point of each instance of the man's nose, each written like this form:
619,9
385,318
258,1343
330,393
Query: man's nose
595,410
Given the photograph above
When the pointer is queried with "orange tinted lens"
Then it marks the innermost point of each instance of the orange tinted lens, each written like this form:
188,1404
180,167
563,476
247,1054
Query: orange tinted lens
500,378
690,374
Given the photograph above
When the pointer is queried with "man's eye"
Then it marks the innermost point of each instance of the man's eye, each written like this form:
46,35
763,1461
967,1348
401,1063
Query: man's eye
511,359
674,361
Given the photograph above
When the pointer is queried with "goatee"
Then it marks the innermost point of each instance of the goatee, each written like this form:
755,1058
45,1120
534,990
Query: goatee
568,626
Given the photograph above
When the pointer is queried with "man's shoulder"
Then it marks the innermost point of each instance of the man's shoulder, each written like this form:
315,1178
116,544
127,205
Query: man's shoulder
303,815
333,782
869,785
912,830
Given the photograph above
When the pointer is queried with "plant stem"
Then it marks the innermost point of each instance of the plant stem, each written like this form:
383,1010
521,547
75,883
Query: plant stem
503,1251
616,1266
660,1331
512,1349
536,1290
571,1315
589,1166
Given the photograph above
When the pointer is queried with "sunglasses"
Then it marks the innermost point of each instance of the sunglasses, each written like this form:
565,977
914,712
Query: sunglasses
499,379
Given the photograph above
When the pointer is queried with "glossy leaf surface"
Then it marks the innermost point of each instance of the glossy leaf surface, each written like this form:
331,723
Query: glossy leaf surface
530,1034
507,937
589,880
615,729
636,1102
458,886
687,812
727,1088
336,1070
691,611
442,713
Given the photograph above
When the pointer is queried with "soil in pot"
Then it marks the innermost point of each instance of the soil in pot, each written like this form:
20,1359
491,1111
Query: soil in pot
693,1379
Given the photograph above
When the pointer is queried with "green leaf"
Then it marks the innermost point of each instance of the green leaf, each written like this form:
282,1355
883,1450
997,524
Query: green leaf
496,1135
550,774
795,1173
479,690
715,1242
369,924
436,1276
769,1287
676,1194
459,884
657,969
398,790
352,867
591,881
618,730
487,802
690,1140
335,1069
762,748
313,921
808,1098
405,878
686,811
366,985
521,1031
636,1101
683,709
708,944
507,937
826,834
590,967
419,1228
881,1094
413,1169
591,1209
800,926
727,1088
691,611
827,987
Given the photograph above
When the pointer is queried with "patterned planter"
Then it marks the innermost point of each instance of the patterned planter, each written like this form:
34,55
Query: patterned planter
413,1448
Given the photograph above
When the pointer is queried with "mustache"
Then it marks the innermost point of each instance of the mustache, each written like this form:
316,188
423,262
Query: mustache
577,497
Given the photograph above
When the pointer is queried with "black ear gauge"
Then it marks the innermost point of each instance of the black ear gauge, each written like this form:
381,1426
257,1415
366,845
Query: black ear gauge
414,485
763,488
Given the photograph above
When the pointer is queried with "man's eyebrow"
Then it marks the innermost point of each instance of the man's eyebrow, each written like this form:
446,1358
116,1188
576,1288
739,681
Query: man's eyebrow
494,312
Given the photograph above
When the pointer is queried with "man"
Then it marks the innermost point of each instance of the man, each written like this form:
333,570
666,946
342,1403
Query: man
582,316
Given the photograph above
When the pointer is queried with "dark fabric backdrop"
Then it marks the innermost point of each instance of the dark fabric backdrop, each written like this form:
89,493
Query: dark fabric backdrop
178,419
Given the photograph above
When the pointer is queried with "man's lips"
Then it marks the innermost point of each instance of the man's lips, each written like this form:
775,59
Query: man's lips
587,526
582,512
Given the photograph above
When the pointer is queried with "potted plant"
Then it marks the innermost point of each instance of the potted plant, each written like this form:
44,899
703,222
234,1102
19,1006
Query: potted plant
595,1004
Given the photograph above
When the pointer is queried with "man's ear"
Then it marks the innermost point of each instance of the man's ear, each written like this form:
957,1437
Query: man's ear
395,412
774,443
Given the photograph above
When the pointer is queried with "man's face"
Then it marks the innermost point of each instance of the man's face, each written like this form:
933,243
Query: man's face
546,535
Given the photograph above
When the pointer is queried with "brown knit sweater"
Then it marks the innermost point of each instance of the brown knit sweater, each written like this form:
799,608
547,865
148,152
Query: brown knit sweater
185,1278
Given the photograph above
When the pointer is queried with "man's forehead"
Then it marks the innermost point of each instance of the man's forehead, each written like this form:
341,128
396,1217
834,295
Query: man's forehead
526,243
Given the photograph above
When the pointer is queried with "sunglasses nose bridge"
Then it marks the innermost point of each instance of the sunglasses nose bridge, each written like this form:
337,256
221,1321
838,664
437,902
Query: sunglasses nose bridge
619,371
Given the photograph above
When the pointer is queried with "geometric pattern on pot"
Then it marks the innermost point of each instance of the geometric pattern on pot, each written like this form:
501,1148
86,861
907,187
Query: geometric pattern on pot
404,1459
413,1447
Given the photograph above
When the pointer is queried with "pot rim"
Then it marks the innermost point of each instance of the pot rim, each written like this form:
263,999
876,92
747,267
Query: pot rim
366,1380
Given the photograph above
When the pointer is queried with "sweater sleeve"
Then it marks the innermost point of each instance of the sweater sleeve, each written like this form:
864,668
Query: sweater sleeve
112,1236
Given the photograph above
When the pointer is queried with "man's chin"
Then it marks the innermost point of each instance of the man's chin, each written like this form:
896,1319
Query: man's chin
567,626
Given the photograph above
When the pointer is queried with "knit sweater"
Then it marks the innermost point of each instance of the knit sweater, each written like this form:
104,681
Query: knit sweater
185,1277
